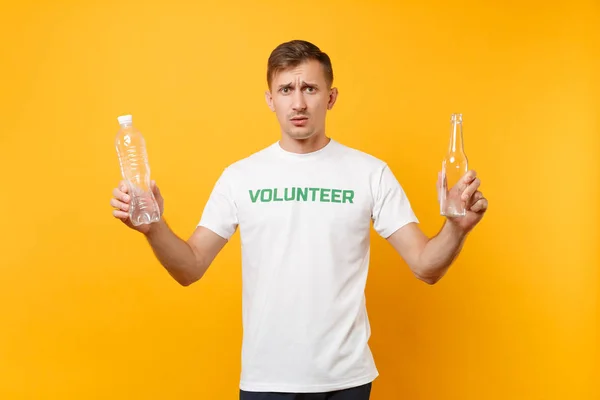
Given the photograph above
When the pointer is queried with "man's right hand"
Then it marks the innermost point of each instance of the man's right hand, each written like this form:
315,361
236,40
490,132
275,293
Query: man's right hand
186,261
121,202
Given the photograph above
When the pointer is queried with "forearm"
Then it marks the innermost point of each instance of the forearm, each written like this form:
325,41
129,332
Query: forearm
174,253
440,252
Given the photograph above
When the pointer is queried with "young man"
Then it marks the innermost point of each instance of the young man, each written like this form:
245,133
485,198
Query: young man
304,206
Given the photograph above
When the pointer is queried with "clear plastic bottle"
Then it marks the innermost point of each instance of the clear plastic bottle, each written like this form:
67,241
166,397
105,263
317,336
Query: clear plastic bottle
135,169
454,166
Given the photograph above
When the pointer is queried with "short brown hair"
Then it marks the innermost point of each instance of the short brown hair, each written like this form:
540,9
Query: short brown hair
293,53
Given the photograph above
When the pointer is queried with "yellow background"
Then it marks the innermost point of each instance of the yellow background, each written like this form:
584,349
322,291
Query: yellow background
87,312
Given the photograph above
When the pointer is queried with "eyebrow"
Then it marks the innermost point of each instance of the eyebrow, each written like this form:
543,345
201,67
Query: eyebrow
290,84
310,84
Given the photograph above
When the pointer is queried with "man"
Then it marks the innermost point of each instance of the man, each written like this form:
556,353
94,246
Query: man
304,206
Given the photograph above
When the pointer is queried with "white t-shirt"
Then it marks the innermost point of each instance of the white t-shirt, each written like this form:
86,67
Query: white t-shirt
304,222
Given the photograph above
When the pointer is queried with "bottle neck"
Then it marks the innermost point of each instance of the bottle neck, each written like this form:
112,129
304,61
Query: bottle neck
456,137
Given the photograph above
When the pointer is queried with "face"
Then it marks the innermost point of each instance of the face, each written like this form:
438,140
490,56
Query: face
300,97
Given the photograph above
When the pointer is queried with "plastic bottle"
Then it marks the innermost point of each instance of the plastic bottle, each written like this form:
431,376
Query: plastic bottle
135,169
454,166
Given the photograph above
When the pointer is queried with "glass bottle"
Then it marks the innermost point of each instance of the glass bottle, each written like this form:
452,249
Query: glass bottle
454,167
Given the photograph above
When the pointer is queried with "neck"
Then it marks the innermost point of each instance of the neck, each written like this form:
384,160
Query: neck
303,146
455,145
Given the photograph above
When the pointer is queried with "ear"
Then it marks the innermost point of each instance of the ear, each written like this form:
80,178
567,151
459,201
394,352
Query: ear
332,98
269,100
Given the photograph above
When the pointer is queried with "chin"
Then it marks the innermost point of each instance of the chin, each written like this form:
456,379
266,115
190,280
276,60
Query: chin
300,134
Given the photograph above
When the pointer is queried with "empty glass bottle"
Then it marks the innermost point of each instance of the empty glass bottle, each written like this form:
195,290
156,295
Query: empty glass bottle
454,167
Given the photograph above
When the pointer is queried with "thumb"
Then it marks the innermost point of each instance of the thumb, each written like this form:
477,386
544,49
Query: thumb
155,188
438,185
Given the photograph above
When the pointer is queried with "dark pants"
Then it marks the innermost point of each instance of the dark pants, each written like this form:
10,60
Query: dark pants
358,393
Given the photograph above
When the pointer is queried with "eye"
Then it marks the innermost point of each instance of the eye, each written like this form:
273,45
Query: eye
285,90
310,89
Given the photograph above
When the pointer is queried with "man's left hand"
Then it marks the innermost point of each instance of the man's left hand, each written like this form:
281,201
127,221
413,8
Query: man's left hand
476,204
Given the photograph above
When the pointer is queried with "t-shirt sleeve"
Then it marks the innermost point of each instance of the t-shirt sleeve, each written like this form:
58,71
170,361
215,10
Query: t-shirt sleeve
391,208
220,211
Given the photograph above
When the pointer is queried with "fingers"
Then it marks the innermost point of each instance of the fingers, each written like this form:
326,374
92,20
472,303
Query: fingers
475,198
120,201
119,205
465,181
120,214
470,176
471,189
480,205
120,194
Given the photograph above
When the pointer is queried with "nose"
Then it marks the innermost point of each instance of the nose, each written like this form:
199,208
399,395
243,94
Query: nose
299,104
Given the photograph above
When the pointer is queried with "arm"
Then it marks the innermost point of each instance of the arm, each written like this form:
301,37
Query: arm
185,261
428,258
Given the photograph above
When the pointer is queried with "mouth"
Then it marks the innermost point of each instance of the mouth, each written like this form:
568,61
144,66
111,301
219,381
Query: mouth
299,121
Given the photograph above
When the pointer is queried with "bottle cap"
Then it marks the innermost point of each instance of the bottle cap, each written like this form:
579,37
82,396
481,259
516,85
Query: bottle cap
124,119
